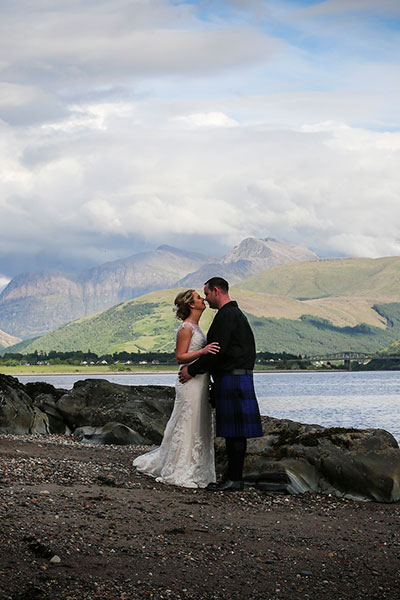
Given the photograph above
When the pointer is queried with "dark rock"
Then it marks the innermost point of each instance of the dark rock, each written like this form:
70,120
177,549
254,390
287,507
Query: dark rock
40,388
175,531
18,415
97,402
47,404
111,433
275,488
31,592
38,548
354,463
107,480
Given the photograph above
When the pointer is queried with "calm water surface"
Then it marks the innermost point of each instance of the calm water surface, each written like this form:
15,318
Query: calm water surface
359,399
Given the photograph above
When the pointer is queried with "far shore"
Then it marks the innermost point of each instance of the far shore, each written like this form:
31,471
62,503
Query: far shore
172,370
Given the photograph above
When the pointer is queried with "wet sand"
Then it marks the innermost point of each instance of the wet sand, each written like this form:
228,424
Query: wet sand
77,522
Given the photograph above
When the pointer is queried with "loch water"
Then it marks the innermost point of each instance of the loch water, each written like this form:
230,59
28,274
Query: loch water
332,399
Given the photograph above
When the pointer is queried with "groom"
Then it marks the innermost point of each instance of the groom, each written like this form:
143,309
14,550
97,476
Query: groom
237,412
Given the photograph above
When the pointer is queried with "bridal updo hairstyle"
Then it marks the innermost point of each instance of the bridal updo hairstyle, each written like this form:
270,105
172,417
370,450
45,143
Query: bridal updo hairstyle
182,304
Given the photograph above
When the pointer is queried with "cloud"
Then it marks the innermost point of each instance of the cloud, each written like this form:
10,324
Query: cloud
210,119
127,125
116,41
323,185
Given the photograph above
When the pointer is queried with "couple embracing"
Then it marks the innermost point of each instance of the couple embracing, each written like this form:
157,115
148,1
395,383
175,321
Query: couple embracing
186,455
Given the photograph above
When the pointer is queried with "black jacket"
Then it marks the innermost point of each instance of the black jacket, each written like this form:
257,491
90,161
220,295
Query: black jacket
231,329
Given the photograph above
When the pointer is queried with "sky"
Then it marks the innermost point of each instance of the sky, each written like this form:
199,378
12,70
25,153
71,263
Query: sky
126,124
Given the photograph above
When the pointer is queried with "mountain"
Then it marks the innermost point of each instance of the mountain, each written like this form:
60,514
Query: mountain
35,303
139,274
323,305
268,252
279,324
32,303
7,340
140,324
249,258
354,277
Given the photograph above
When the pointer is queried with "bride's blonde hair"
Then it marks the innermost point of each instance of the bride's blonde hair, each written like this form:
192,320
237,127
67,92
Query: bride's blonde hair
182,304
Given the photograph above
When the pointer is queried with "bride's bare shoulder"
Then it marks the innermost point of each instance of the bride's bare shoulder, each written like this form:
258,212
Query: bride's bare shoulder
185,329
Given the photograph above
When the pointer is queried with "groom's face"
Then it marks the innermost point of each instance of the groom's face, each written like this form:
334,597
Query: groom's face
210,297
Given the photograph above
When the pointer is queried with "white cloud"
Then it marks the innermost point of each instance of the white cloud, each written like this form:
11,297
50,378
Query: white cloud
336,183
142,121
210,119
83,45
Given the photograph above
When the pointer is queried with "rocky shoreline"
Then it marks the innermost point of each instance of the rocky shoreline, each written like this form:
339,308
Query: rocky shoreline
77,522
291,456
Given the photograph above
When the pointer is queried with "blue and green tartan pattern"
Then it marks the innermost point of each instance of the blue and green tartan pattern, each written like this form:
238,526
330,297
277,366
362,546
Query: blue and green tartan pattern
236,407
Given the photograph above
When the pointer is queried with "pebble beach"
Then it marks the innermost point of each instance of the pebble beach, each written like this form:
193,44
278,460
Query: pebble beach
78,523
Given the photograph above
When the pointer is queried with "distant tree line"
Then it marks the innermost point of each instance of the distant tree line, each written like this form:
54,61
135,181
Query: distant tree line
77,357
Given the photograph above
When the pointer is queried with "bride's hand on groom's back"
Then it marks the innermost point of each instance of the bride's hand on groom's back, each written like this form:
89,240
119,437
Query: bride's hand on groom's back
212,348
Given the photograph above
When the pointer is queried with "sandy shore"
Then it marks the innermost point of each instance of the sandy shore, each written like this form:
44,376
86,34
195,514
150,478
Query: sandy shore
76,522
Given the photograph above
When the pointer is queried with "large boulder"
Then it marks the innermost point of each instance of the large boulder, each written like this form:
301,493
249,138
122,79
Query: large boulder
362,464
96,402
110,433
45,396
34,389
18,414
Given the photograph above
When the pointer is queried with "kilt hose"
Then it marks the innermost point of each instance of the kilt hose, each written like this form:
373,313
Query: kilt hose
236,407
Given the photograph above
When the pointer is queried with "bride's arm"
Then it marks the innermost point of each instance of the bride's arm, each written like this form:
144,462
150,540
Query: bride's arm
182,344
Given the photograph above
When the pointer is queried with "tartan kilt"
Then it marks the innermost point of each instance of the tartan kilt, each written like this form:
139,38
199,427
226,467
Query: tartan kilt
236,407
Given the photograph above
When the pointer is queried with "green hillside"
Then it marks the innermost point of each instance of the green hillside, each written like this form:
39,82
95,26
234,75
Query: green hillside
143,324
331,277
393,348
149,324
313,335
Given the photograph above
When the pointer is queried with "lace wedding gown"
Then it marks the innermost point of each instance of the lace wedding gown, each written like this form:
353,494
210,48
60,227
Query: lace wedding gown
186,454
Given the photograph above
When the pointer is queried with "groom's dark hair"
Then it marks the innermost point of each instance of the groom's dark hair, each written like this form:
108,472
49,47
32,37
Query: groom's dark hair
218,282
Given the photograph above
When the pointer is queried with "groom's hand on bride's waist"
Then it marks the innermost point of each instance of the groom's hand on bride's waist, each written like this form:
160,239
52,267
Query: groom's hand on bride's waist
184,375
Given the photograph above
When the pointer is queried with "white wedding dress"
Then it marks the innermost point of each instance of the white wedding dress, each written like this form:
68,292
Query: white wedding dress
186,455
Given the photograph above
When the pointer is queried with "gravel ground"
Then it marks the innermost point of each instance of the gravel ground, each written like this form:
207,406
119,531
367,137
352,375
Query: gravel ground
77,522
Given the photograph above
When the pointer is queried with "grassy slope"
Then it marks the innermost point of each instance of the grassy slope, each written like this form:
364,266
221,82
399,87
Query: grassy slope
337,312
148,323
145,323
7,340
339,277
341,311
311,335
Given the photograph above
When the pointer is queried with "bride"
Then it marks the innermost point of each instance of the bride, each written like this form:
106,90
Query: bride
186,454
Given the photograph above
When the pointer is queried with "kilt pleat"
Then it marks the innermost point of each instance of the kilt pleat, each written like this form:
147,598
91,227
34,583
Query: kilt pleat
236,406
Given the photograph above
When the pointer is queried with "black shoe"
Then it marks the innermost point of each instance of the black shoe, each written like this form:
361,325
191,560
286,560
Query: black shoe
225,486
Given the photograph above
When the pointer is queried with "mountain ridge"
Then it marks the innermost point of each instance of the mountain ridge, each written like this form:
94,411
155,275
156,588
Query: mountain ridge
249,258
338,304
34,303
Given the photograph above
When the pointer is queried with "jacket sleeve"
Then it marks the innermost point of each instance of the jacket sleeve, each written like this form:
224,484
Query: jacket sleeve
220,331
